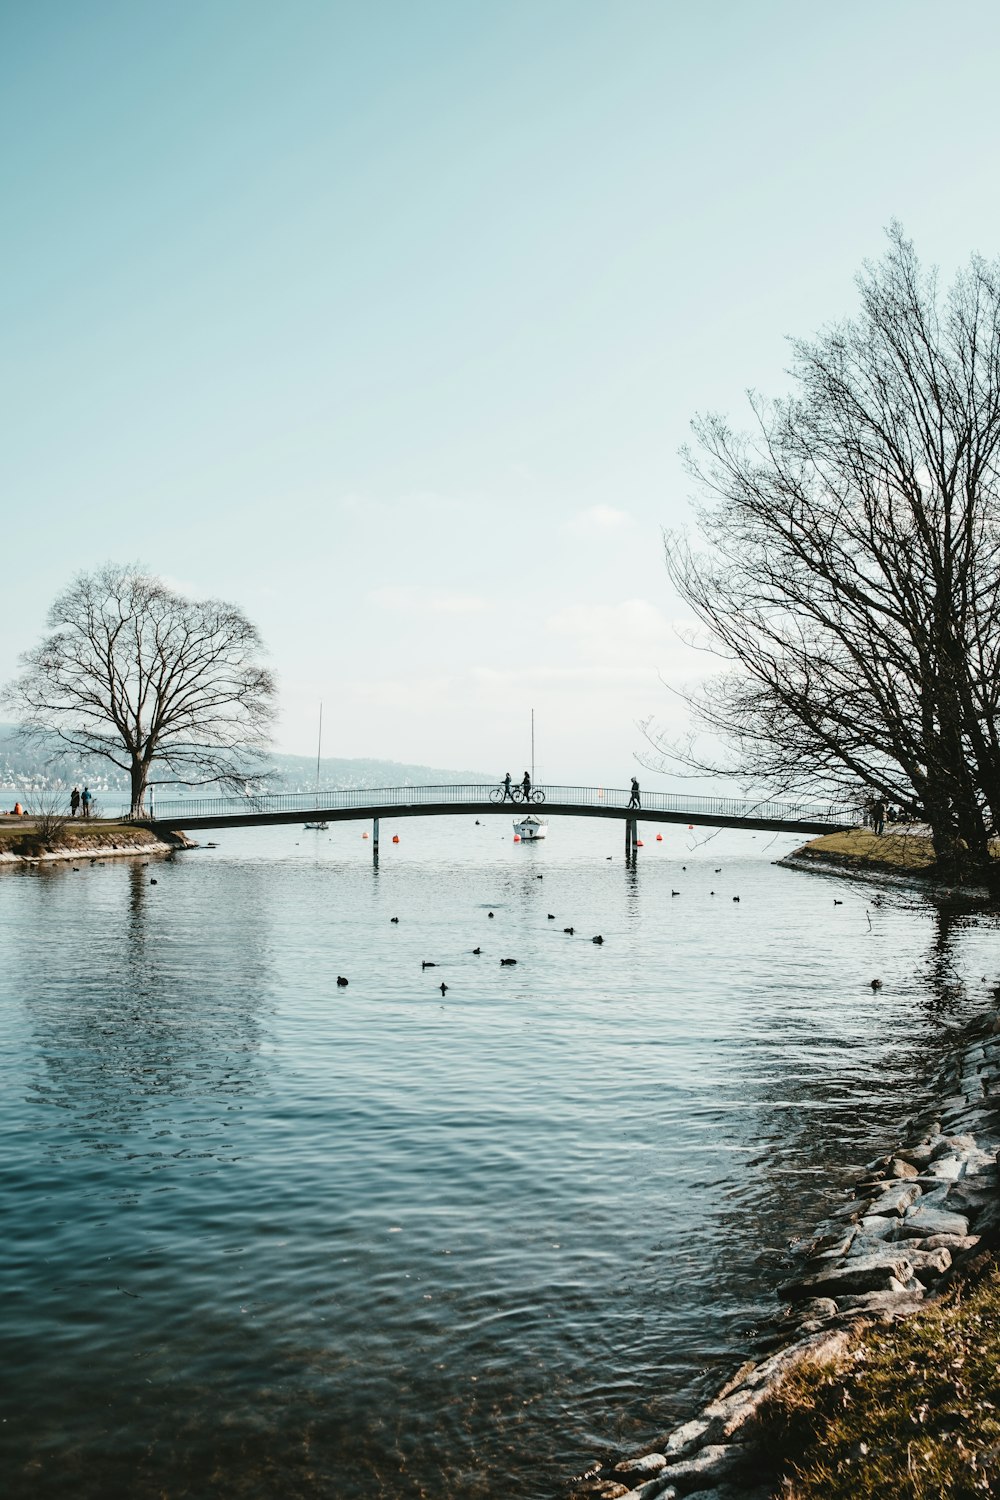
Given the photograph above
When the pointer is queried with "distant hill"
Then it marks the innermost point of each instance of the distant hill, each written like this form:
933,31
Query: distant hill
46,769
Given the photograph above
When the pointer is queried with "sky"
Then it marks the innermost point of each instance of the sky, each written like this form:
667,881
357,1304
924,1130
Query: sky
387,321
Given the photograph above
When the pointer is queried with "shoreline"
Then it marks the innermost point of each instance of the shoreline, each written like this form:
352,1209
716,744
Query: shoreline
921,1220
114,842
922,1223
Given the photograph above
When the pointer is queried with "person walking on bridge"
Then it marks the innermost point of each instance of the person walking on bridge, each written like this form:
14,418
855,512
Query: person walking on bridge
633,801
506,788
526,786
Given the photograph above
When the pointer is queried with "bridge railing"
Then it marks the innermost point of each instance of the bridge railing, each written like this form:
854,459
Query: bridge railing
477,794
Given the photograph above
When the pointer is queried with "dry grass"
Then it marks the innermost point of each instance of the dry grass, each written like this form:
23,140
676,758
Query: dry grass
915,1414
898,849
24,836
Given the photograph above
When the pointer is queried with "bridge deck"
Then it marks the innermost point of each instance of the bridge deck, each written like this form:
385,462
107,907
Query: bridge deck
446,801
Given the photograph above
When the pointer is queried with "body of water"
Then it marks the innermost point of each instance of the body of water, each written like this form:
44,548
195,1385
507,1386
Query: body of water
268,1235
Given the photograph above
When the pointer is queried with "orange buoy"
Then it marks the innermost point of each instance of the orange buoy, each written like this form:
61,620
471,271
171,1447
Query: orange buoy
659,838
395,838
639,844
690,828
364,835
517,838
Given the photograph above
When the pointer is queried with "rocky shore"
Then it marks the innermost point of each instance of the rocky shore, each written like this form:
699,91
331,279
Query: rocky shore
918,1218
911,1223
25,845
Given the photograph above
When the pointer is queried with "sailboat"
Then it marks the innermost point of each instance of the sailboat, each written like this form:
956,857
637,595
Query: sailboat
531,827
320,825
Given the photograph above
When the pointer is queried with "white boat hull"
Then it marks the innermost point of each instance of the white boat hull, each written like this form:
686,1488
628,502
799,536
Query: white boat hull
531,828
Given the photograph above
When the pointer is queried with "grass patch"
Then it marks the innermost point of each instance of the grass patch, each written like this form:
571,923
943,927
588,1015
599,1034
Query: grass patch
912,1411
899,850
21,836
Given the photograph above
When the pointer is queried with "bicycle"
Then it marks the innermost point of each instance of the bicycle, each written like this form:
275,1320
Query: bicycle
516,794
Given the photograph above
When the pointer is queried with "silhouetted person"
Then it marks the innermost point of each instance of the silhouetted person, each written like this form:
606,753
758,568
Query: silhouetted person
86,800
633,801
526,786
506,787
878,816
74,801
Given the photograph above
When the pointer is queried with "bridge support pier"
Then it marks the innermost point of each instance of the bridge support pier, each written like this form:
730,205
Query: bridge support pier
375,837
631,837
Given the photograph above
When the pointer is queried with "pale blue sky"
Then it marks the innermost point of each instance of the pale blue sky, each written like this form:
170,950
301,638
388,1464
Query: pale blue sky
386,321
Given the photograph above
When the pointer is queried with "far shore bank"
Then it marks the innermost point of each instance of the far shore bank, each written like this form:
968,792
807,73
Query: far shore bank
901,855
26,840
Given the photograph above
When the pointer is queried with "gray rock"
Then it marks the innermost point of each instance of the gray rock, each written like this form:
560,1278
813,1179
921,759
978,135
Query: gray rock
918,1156
956,1243
823,1347
877,1226
681,1441
900,1167
895,1200
817,1307
868,1245
970,1196
653,1487
832,1245
952,1145
900,1301
950,1167
934,1261
733,1412
924,1222
712,1462
971,1085
642,1468
981,1164
866,1274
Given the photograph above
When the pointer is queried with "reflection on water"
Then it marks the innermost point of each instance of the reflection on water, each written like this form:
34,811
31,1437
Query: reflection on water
265,1236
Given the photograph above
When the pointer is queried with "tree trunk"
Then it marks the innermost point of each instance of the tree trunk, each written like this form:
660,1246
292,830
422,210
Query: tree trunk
139,772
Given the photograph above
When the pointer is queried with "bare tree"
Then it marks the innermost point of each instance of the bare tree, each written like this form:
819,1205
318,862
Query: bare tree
853,582
143,677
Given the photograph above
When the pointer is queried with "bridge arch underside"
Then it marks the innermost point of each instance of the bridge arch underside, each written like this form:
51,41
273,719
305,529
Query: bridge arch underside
491,809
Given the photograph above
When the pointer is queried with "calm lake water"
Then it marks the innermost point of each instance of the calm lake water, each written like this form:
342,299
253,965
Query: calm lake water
268,1236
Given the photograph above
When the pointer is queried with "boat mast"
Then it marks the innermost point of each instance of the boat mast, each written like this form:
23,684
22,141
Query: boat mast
319,745
532,747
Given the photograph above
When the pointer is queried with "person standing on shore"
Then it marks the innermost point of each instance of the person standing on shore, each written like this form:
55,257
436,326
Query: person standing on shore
74,801
86,799
878,816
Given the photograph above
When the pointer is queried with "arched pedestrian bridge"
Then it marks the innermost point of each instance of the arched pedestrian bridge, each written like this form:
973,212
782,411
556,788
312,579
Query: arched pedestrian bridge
190,813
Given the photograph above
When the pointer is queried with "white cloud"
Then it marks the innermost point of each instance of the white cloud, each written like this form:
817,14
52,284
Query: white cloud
598,520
